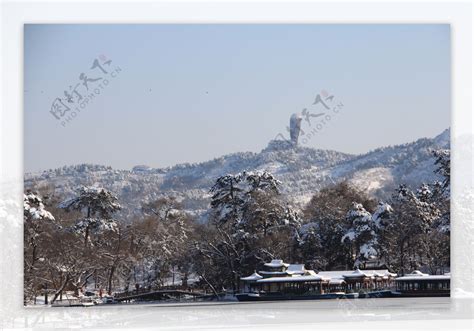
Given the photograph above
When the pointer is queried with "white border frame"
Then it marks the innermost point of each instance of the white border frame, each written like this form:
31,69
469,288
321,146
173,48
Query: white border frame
15,13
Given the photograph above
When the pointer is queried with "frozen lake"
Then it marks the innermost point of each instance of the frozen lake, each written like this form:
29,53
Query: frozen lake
329,304
264,315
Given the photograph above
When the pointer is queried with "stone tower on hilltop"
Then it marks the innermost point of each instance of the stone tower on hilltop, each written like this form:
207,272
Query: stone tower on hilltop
295,127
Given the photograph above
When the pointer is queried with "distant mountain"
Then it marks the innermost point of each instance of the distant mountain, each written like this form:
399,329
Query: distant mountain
302,170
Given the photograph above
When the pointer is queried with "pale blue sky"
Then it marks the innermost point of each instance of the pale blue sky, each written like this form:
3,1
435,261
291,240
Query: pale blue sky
189,93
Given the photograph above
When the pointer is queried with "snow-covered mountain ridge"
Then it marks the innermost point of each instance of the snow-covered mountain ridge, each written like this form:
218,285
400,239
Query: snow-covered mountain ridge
302,171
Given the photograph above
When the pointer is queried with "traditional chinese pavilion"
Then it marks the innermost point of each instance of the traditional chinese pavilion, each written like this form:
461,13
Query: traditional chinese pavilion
281,280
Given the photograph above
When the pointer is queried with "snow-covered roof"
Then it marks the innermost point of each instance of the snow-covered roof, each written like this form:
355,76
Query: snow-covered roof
297,272
379,273
418,275
296,269
276,264
336,281
263,272
375,274
311,272
308,278
334,274
390,274
355,274
383,273
427,277
253,276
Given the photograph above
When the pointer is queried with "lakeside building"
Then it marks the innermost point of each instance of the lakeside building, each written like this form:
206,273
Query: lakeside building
281,280
280,277
420,284
355,280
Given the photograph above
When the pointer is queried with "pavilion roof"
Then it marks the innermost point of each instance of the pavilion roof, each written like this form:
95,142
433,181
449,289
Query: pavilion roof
340,274
356,273
298,273
308,278
254,276
276,264
418,275
263,272
296,269
427,277
336,281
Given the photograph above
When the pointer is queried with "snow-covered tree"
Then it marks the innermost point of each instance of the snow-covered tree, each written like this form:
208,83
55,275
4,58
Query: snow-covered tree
251,221
69,264
361,235
413,236
231,192
34,215
227,197
98,206
164,238
441,190
34,210
364,231
325,224
443,163
36,225
265,214
381,215
419,205
309,242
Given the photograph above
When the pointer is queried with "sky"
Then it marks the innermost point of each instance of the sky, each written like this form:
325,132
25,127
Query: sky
163,94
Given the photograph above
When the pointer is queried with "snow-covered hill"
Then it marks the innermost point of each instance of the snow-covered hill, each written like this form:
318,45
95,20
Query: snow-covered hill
302,171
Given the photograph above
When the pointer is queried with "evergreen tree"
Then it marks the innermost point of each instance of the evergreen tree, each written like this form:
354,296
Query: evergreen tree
98,205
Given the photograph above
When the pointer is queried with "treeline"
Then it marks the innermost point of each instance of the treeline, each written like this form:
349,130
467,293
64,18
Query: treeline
77,243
